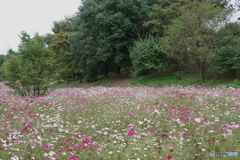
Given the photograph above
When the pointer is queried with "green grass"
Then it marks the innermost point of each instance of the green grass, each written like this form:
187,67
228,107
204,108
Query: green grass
185,80
160,80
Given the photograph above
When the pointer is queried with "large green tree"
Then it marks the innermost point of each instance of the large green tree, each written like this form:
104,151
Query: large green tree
31,70
228,49
2,59
106,29
162,15
68,66
191,37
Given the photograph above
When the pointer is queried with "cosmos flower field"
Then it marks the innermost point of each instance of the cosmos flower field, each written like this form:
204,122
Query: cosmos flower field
135,123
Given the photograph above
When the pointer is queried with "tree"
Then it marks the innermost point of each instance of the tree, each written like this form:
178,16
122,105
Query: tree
162,15
145,56
228,50
31,70
2,59
67,65
191,37
106,30
65,25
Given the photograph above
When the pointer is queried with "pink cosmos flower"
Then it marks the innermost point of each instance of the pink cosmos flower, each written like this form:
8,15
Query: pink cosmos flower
186,133
80,137
172,111
152,130
237,107
198,120
74,158
48,146
130,133
69,139
212,142
87,140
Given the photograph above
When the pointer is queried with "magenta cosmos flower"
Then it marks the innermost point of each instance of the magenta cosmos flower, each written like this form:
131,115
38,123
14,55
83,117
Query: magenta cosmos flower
131,133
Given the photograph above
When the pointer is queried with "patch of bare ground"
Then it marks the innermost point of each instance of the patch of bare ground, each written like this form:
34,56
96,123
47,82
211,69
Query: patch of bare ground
121,82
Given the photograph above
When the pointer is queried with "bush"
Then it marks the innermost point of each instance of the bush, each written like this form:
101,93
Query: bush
30,71
145,56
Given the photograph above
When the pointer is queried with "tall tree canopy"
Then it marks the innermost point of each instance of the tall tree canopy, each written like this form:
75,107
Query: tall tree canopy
228,49
191,37
162,15
68,66
106,29
2,59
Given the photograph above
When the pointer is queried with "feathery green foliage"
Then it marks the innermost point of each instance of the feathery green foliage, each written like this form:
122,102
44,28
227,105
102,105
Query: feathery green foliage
191,37
228,49
145,55
32,69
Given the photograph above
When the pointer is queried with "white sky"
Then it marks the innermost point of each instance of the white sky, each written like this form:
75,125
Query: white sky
30,16
33,16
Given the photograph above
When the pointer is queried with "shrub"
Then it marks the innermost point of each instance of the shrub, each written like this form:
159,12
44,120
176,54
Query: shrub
146,56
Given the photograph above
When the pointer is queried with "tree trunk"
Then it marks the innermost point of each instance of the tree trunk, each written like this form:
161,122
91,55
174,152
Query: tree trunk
233,73
118,70
106,72
80,78
148,71
201,73
68,80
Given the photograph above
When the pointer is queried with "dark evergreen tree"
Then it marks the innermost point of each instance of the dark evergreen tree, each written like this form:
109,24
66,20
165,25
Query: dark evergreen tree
105,31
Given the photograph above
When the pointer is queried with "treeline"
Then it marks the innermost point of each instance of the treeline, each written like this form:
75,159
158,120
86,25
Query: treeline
138,35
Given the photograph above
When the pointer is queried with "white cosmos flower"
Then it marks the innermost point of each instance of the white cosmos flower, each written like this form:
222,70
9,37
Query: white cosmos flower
45,155
140,122
51,153
198,120
14,158
105,133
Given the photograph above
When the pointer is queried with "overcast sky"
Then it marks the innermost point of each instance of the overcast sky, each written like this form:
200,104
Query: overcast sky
30,16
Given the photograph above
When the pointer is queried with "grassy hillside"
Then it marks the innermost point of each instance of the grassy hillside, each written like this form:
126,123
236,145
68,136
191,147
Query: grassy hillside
165,78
